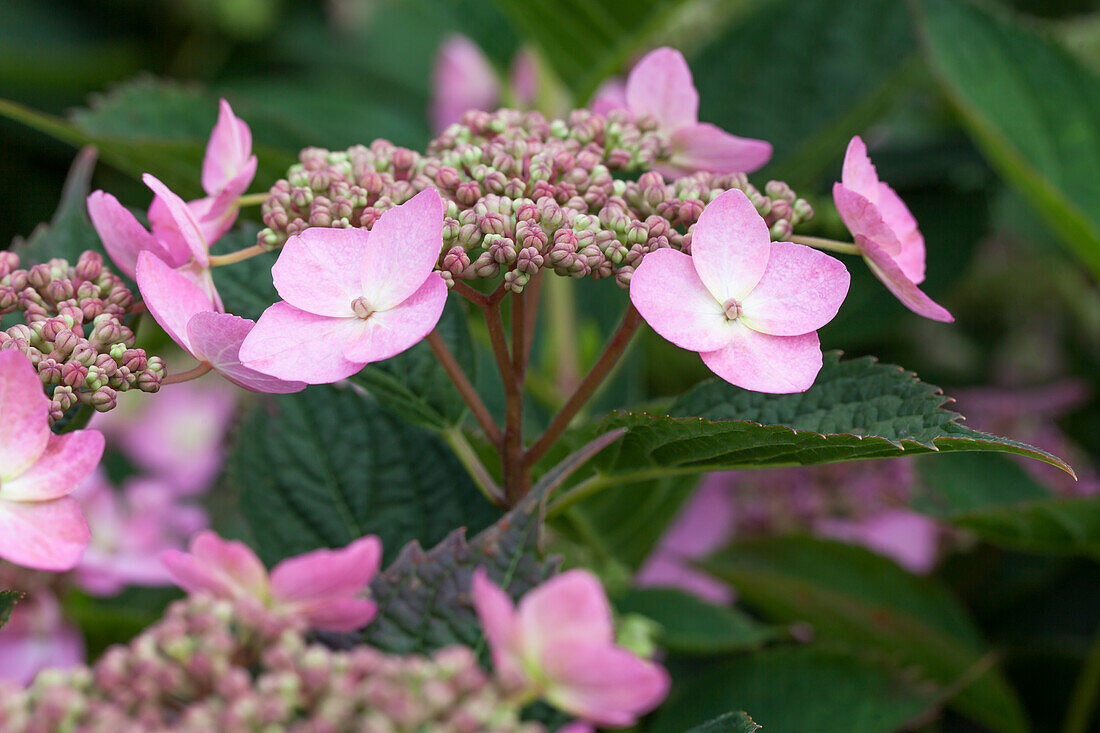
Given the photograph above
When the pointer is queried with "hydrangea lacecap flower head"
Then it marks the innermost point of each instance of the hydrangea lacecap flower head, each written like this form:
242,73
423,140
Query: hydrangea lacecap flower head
660,87
750,307
351,297
885,231
560,644
41,526
323,589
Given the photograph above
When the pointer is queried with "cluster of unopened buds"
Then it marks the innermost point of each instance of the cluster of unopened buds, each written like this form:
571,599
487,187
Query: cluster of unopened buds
74,331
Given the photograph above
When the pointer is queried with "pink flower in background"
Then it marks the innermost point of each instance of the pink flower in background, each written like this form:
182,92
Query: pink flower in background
908,538
560,642
37,637
885,232
351,297
660,87
323,588
751,308
462,79
41,526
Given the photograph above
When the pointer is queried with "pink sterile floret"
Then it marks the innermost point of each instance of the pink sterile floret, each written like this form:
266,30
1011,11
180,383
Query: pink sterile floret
462,79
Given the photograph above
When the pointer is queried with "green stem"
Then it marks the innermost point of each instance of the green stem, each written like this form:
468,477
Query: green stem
252,199
470,460
1082,704
238,256
829,245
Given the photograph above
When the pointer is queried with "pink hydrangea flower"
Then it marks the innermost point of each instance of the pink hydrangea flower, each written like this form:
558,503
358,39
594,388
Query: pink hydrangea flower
322,588
560,644
660,87
462,79
37,637
885,232
908,538
41,526
187,313
750,307
351,297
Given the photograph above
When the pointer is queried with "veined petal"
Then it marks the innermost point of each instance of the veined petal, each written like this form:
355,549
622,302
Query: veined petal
672,299
660,86
24,415
864,219
707,147
228,152
319,270
858,173
890,273
764,363
217,338
904,226
122,235
403,249
184,219
571,607
801,291
389,332
294,345
730,246
325,573
171,298
66,462
501,628
44,535
602,683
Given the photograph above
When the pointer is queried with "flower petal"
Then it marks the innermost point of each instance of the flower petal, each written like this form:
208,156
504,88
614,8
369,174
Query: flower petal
462,80
44,535
122,235
392,331
801,291
890,273
225,568
338,615
171,297
610,95
166,230
184,219
730,246
318,270
228,152
66,462
291,344
571,607
24,415
864,219
602,683
904,226
672,299
403,248
328,573
764,363
660,86
858,173
217,339
707,147
499,624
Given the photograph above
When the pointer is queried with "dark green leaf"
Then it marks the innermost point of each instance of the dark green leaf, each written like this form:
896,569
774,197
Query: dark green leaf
70,232
853,596
728,723
965,482
1033,109
327,466
693,626
8,599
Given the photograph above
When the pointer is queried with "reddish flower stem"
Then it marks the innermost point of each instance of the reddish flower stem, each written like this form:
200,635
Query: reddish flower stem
465,388
188,375
470,294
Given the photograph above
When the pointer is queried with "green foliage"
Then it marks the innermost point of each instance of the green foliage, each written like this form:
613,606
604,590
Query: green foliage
853,596
327,466
246,287
1033,109
70,232
728,723
8,599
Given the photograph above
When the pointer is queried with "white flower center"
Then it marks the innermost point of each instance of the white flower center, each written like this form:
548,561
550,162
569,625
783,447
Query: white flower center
361,308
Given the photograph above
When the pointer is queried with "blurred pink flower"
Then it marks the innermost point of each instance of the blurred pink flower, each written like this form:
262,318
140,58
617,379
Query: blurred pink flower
885,232
351,297
323,589
751,308
560,644
41,526
37,638
908,538
462,79
660,87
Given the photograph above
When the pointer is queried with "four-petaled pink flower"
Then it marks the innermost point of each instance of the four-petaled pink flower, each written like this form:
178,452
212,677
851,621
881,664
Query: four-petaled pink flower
750,307
324,588
560,644
885,232
660,87
351,297
41,526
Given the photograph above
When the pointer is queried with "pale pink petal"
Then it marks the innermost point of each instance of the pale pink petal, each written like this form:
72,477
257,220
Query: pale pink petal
764,363
328,573
318,271
890,273
909,538
864,219
37,638
171,297
226,568
122,235
706,147
66,462
339,615
603,684
204,279
858,172
291,344
524,78
184,219
24,415
576,727
190,574
571,607
462,80
217,339
403,248
660,86
898,217
177,250
672,299
730,246
216,214
392,331
610,95
801,291
228,152
500,627
44,535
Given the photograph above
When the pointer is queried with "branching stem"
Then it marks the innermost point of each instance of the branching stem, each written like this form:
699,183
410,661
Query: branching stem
829,245
465,388
238,256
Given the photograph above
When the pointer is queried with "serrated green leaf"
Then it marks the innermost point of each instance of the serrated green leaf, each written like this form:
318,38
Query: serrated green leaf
70,231
851,595
1032,108
8,599
728,723
328,465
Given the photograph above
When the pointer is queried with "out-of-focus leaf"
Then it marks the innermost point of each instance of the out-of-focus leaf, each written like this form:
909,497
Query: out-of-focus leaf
70,232
852,596
728,723
1033,109
8,599
246,287
964,482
